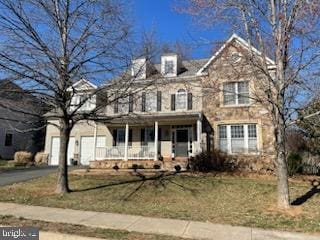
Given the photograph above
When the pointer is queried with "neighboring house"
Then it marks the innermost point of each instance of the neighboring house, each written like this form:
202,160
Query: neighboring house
18,131
178,116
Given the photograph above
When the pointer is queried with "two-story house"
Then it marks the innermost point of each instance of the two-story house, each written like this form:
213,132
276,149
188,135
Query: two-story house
19,131
176,110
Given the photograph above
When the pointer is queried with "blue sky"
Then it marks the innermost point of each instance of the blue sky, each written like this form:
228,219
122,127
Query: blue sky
171,26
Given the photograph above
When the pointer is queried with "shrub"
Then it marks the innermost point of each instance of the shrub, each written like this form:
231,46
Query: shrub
294,163
210,161
156,166
177,168
23,157
41,157
116,167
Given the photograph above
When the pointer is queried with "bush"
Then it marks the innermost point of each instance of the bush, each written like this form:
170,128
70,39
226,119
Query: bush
156,166
177,168
41,157
209,161
294,163
23,157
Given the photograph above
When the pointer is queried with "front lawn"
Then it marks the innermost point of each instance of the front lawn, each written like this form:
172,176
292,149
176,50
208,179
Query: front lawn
5,164
236,200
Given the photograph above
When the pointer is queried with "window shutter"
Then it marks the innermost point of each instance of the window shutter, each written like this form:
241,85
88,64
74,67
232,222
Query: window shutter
189,101
159,99
130,103
173,102
130,137
114,135
116,105
143,102
142,136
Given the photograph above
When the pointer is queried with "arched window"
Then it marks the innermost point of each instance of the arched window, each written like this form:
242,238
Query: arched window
181,99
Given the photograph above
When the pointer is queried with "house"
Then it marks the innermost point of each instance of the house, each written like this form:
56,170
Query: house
19,131
176,110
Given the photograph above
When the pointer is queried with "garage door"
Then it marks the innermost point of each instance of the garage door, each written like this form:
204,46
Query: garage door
87,148
55,146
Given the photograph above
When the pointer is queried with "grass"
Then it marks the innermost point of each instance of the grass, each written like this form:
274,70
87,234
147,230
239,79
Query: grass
5,164
236,200
81,230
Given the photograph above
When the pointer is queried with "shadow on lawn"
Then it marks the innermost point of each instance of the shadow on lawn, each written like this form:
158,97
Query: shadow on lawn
305,197
160,179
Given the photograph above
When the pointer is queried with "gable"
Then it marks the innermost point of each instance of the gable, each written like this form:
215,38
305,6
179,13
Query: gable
83,85
233,40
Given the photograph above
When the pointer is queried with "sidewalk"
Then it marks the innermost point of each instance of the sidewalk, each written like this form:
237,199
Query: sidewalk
171,227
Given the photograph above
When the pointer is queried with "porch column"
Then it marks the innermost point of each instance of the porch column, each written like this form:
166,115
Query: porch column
126,142
199,133
95,141
156,129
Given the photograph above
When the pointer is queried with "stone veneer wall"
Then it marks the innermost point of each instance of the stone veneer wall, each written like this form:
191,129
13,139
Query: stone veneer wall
216,113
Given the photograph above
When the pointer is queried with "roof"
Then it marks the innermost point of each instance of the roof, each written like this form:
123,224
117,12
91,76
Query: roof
189,67
239,40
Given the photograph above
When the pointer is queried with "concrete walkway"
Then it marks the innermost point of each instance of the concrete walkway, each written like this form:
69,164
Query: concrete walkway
172,227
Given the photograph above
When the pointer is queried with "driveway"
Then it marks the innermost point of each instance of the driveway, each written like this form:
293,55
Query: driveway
20,175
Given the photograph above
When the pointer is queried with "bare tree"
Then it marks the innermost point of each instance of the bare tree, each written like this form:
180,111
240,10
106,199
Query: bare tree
287,32
48,45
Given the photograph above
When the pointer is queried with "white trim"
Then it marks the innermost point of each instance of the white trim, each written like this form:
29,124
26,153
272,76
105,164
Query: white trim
126,143
156,129
80,81
242,42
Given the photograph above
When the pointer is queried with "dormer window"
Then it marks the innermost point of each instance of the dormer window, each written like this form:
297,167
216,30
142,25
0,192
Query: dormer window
169,67
139,68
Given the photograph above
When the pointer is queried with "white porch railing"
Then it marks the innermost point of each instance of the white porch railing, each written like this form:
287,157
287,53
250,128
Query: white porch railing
118,152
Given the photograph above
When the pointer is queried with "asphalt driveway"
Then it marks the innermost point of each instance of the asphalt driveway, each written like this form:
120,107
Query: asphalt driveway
20,175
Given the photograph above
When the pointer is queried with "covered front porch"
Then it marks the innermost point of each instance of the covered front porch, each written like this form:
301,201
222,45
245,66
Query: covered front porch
152,137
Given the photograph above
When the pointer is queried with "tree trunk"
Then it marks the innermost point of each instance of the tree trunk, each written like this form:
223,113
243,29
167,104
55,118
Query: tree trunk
282,168
62,184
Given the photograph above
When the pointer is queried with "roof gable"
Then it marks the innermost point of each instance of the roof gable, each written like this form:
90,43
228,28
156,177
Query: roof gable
82,85
241,42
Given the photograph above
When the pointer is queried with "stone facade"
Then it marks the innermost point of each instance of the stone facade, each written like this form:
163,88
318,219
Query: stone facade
220,72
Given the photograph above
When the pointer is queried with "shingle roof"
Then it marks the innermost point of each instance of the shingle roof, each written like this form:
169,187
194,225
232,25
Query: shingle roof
189,67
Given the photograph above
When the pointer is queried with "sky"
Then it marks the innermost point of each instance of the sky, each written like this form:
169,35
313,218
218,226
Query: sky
171,26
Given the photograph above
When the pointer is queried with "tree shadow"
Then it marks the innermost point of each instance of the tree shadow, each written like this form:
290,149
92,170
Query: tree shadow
159,179
305,197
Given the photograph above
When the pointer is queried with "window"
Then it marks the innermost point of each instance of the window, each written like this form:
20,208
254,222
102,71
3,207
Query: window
238,138
121,136
123,105
223,138
168,67
151,102
235,57
236,93
181,100
252,138
8,139
87,101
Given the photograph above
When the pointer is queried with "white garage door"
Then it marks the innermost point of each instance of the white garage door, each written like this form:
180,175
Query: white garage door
55,146
87,148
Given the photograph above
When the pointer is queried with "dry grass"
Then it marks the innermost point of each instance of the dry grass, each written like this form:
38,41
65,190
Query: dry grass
237,200
81,230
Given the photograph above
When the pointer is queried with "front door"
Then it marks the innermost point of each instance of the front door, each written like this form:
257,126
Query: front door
181,148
